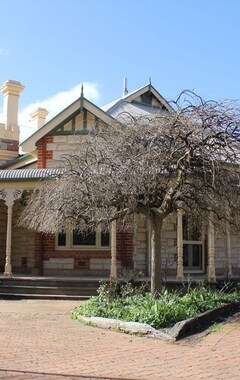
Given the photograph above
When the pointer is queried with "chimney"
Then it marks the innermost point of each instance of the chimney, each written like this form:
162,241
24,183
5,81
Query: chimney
11,90
38,117
125,91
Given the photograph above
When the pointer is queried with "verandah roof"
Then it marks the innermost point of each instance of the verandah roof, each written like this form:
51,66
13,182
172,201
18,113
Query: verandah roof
28,174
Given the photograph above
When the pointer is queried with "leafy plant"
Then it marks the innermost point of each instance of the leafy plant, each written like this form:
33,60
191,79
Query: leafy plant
130,304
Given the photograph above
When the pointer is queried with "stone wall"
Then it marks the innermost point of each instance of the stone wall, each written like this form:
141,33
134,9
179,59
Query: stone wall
62,146
141,255
22,242
221,254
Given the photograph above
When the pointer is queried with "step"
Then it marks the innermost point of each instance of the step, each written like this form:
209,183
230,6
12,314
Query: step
15,296
48,290
50,283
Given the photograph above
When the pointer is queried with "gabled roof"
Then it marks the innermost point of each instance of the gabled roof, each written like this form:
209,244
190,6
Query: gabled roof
128,103
29,145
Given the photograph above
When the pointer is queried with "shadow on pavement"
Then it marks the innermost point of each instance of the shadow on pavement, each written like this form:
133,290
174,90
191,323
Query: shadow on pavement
63,375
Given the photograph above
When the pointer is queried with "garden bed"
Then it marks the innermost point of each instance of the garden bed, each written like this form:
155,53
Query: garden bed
180,330
182,314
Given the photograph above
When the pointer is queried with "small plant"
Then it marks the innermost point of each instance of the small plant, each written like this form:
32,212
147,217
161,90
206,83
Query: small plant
126,285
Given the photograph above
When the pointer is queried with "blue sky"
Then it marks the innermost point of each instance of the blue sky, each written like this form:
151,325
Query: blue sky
51,46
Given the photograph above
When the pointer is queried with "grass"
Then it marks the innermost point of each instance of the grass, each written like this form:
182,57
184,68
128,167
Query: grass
216,327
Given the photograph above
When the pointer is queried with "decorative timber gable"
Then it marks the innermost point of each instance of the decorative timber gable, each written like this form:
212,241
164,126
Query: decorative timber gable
79,123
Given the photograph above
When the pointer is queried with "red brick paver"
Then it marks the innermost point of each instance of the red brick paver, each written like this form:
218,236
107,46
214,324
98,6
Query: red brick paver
40,341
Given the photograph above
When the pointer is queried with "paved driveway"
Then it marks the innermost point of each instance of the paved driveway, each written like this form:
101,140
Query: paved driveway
40,341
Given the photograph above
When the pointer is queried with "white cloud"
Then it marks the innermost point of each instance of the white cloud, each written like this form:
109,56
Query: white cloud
56,104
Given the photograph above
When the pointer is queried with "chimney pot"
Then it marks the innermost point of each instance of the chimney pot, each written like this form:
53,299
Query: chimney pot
125,90
38,117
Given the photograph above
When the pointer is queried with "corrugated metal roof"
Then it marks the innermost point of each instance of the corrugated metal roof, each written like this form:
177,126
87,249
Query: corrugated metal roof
108,106
133,109
128,104
28,174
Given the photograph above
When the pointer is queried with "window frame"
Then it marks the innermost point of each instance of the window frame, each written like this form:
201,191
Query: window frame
200,242
71,247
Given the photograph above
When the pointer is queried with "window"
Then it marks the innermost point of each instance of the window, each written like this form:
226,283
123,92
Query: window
86,241
192,246
61,240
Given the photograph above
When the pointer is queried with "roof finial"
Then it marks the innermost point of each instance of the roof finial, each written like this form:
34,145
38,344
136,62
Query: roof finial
150,81
125,91
81,98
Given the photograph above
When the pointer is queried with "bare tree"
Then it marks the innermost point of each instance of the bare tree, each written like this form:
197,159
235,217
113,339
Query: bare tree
187,159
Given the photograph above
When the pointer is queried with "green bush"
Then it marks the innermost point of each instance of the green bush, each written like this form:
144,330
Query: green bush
162,311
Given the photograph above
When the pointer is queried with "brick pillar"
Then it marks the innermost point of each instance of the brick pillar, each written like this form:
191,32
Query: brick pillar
127,249
39,240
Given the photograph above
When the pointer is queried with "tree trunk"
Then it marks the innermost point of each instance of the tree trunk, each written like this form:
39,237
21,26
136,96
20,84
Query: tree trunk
156,271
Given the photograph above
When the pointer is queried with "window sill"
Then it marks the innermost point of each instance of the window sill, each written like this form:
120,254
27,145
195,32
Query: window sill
90,249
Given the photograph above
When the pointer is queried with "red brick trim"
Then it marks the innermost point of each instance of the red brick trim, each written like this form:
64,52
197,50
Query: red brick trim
43,153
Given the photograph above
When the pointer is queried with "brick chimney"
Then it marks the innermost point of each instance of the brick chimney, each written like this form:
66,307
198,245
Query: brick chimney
11,90
9,129
38,117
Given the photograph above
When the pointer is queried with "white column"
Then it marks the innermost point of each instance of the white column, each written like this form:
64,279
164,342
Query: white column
113,272
8,265
180,275
211,252
149,247
228,239
9,196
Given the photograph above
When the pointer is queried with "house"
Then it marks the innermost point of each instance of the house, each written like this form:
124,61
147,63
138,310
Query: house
29,252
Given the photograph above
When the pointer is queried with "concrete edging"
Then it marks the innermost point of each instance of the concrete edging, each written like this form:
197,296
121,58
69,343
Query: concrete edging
178,331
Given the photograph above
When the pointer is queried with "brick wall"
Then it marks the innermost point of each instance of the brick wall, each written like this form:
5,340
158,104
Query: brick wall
70,262
10,145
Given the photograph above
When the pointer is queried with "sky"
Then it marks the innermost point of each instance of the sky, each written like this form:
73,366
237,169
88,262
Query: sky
52,46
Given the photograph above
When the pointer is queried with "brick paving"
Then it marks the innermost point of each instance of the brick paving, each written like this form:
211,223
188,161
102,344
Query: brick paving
40,341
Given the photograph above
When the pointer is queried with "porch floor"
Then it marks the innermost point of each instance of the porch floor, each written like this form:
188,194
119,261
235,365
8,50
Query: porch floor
172,279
